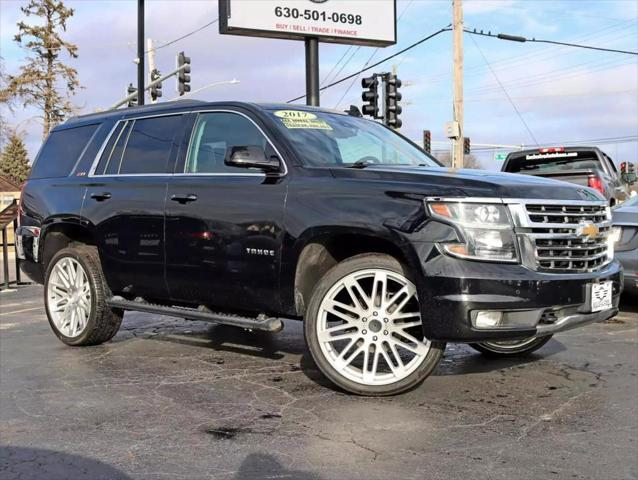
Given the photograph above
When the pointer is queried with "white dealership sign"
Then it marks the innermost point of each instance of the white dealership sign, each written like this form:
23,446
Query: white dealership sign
360,22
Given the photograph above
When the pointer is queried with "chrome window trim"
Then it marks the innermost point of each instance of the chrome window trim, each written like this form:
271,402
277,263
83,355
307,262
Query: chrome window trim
112,149
182,174
96,160
226,174
99,153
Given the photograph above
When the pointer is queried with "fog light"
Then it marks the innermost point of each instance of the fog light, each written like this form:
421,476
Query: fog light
488,319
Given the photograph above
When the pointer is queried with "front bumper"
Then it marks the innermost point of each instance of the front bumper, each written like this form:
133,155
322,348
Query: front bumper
453,291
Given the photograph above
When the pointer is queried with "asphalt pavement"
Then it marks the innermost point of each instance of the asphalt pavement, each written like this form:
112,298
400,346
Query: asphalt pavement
170,399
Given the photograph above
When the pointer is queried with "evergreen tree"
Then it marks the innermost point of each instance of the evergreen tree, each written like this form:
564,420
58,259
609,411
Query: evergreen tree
44,80
14,162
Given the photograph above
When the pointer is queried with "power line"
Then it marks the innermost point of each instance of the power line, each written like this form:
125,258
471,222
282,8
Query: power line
325,79
183,36
529,130
341,80
521,39
374,52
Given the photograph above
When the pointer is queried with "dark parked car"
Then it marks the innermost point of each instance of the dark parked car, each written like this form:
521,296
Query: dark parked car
248,214
585,166
625,219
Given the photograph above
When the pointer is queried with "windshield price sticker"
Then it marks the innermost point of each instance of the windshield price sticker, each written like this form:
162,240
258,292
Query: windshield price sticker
301,119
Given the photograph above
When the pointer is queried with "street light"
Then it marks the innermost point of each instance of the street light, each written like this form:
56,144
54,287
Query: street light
234,81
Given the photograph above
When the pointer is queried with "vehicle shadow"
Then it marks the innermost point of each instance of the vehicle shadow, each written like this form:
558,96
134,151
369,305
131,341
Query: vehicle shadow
224,338
629,302
462,359
35,463
257,466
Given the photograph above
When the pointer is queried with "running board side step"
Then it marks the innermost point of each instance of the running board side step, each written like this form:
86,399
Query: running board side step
202,314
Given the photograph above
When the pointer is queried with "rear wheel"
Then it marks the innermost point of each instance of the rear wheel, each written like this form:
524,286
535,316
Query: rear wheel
511,348
75,298
364,330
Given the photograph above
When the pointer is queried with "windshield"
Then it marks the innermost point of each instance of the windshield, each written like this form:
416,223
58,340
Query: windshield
333,140
554,162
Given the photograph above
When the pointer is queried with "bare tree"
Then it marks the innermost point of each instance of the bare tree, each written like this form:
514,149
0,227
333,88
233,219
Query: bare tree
469,161
44,80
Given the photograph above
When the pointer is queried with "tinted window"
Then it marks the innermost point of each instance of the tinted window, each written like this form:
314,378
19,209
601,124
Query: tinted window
108,149
534,163
214,137
115,159
149,145
61,151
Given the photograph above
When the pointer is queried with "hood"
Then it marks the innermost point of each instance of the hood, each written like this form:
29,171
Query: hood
440,181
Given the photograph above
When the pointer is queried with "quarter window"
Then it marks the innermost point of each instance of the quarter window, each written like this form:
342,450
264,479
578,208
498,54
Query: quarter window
214,137
61,151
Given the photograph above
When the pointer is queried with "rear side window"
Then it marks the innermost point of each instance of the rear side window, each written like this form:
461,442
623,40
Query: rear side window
149,145
553,162
61,151
140,146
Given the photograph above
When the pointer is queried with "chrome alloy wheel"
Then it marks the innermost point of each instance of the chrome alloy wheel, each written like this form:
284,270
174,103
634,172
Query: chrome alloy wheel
69,297
369,327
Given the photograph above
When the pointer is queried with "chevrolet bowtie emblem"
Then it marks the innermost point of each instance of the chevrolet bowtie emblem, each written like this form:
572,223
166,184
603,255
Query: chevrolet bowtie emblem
587,230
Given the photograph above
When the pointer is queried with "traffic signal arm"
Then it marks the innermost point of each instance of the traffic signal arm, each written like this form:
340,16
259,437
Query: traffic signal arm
148,87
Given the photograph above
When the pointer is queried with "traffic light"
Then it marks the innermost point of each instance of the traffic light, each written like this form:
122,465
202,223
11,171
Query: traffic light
466,145
156,90
392,99
427,141
183,77
370,96
129,91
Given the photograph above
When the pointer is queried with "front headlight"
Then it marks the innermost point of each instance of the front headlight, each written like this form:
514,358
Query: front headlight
486,229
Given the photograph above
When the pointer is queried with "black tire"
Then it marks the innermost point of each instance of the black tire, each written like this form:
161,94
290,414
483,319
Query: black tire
103,322
334,275
491,349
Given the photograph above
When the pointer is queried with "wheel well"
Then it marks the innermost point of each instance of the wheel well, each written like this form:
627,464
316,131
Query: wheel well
61,236
320,255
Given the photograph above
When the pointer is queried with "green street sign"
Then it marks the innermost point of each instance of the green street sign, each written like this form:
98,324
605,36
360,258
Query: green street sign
500,156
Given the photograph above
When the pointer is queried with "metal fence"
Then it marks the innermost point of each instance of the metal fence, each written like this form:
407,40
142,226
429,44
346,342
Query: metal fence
9,224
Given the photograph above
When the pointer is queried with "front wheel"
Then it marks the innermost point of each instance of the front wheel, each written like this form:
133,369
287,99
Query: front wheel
511,348
364,330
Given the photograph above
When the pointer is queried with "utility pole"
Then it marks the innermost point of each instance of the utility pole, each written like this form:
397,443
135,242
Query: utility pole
457,27
140,52
151,62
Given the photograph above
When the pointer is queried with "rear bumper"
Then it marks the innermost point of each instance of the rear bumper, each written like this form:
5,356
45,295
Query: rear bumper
453,291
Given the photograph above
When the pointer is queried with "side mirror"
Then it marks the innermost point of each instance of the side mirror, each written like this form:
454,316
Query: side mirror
252,156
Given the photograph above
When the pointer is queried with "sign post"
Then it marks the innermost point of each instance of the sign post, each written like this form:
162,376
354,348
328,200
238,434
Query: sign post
312,71
500,156
355,22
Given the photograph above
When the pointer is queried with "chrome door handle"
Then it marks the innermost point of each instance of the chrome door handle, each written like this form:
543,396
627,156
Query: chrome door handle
183,199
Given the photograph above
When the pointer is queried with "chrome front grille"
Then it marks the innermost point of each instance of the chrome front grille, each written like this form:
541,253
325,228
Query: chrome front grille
563,237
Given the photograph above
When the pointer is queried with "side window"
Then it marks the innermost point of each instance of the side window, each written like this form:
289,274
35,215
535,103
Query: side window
61,151
107,153
365,147
149,145
214,136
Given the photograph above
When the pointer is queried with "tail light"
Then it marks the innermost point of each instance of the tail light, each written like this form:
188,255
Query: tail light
20,203
552,150
595,183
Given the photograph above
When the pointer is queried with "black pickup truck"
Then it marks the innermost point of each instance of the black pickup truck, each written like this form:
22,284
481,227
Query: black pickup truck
247,214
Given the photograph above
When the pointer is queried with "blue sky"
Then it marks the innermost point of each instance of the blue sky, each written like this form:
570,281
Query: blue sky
563,94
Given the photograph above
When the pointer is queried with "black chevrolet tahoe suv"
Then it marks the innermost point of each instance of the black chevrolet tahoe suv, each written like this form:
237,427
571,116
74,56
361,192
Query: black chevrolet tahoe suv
246,214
